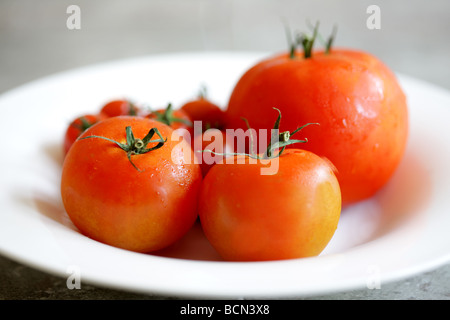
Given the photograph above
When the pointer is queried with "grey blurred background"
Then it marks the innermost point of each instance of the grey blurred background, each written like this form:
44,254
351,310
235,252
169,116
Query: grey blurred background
35,42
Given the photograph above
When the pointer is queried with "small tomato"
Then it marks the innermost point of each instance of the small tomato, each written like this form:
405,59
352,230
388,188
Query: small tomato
209,113
176,119
77,127
120,107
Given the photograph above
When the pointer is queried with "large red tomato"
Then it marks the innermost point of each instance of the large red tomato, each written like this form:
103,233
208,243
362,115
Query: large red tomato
356,99
124,185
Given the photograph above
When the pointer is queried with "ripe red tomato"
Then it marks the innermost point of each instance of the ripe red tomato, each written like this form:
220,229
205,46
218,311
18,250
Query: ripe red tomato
279,204
176,119
209,113
77,127
121,107
117,193
249,216
356,99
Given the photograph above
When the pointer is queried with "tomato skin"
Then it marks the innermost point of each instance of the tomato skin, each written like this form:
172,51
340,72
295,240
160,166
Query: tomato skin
77,127
248,216
209,113
110,201
179,114
207,141
119,107
356,99
177,119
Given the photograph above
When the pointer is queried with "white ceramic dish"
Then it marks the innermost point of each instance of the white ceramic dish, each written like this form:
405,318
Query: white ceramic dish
400,232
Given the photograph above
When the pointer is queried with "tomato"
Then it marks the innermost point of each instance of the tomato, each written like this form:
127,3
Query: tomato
120,107
356,99
76,128
209,113
280,204
117,193
176,119
248,216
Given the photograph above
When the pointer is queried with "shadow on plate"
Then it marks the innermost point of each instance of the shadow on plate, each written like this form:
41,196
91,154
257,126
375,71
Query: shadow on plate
193,246
403,198
54,151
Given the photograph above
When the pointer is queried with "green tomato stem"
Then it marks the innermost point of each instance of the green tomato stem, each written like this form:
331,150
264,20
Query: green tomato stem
307,42
278,141
168,118
135,146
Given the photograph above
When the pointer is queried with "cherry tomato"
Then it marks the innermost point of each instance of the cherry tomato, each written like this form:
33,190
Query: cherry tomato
209,113
77,127
356,99
121,107
248,216
176,119
124,185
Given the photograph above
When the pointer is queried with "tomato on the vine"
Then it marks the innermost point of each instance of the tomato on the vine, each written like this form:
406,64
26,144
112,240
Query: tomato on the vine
127,182
356,99
291,212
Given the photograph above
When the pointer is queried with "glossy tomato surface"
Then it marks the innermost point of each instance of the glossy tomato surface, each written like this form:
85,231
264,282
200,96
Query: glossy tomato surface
250,216
356,99
141,205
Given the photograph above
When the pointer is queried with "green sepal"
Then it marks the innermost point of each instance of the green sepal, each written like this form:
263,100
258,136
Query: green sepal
135,146
167,117
278,141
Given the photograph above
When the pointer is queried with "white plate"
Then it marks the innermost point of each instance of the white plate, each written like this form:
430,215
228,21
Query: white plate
402,231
